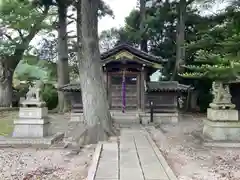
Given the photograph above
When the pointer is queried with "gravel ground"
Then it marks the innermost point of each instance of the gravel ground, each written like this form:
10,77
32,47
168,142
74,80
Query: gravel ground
43,164
30,164
189,159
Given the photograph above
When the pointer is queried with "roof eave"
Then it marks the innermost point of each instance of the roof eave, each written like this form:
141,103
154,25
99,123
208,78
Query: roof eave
134,51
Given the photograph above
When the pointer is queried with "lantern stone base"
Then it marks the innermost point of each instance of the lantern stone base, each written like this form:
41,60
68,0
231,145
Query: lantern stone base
222,125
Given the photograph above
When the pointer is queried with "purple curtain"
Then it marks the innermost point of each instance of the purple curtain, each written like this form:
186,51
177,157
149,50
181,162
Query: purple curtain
123,92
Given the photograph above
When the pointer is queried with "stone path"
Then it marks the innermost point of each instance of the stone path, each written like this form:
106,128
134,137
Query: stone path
134,158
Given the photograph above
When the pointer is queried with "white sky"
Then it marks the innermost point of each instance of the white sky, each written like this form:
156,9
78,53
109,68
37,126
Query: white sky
121,9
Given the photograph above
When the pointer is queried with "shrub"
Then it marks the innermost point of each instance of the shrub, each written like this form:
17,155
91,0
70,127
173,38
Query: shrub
204,99
50,96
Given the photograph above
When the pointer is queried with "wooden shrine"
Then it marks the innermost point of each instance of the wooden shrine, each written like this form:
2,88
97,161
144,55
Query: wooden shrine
127,73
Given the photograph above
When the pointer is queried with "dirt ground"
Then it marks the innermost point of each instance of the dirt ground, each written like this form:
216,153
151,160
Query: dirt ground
189,159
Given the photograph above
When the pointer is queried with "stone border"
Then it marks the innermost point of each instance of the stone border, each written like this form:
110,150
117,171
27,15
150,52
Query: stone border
45,142
211,143
95,160
221,144
162,160
2,109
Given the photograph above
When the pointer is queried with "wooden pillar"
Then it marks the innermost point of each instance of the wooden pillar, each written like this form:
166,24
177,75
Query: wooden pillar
109,89
139,91
142,89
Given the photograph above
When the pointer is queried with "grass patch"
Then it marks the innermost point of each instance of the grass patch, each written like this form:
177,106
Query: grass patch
6,122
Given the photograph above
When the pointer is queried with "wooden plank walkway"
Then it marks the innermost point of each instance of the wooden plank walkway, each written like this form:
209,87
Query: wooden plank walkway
134,158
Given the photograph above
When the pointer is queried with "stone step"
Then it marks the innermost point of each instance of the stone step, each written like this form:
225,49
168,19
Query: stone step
126,119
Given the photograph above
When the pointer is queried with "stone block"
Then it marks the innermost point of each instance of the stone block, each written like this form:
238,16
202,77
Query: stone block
166,118
145,120
221,131
33,112
222,114
160,118
34,142
32,122
30,130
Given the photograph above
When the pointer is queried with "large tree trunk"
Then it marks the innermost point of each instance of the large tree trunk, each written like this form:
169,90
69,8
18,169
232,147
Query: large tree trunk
79,32
6,75
143,42
62,64
95,104
180,39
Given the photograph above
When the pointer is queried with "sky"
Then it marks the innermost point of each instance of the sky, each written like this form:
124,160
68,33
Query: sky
121,9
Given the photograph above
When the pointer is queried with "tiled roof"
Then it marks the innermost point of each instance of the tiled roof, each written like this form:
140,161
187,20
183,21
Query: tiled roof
151,87
134,51
167,86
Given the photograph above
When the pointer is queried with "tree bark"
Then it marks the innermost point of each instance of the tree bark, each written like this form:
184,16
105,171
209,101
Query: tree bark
79,32
62,64
143,42
6,75
180,39
95,104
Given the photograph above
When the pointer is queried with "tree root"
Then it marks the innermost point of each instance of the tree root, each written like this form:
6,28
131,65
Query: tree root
92,135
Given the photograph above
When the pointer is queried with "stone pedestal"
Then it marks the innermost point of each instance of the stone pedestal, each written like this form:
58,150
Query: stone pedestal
32,120
222,125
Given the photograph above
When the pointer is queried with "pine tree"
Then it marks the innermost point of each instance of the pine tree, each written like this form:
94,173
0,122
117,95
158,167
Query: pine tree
216,67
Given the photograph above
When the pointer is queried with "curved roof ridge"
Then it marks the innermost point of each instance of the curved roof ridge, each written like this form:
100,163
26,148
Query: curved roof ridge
133,50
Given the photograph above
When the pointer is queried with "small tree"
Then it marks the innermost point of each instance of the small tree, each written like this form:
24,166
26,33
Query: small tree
19,23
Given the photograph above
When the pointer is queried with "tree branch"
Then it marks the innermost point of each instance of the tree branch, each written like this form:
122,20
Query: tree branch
74,36
20,48
70,22
190,2
9,37
20,34
70,31
72,17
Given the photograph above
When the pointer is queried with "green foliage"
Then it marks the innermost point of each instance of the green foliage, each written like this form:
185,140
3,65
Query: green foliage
212,66
26,72
204,99
22,89
20,22
217,50
160,30
50,96
211,42
104,9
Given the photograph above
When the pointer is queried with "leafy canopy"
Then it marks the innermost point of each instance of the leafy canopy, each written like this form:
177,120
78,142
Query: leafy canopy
217,51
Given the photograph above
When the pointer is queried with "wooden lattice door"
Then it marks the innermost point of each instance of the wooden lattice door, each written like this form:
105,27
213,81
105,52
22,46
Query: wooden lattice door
131,92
